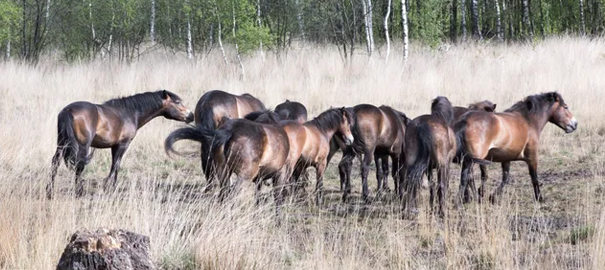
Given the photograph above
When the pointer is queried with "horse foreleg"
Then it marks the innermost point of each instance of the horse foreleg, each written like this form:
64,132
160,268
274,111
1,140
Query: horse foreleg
505,179
432,188
279,193
365,169
484,176
53,173
117,152
344,169
320,168
533,173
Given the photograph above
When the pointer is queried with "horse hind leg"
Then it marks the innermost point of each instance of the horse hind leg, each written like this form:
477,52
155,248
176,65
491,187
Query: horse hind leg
56,161
484,176
379,174
81,159
443,178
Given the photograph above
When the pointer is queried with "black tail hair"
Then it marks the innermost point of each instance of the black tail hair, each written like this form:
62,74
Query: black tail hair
66,139
425,148
209,138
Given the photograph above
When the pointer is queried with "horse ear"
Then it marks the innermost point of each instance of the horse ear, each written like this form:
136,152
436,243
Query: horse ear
164,94
494,107
287,100
554,96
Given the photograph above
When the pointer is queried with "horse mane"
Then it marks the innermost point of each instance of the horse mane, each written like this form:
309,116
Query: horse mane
141,102
330,119
441,107
536,103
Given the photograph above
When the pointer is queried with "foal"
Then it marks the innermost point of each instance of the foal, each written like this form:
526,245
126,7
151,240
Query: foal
113,124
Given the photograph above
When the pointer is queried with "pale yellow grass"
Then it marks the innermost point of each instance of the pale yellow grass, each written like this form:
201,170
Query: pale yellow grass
161,196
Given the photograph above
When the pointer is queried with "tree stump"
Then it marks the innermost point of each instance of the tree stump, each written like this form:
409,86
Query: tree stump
106,250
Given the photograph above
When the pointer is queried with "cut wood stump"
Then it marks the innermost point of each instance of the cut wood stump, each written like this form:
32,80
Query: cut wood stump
106,250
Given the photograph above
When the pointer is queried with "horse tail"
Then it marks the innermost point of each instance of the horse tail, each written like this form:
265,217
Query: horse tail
359,144
197,134
425,148
66,139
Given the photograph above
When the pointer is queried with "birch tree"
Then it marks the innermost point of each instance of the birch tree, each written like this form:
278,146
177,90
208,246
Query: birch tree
404,21
386,29
152,22
582,21
475,20
367,13
463,19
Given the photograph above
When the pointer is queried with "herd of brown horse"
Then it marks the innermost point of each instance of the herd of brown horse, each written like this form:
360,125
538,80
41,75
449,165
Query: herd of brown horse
240,136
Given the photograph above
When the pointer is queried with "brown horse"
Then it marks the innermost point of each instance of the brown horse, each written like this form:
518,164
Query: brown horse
511,135
214,108
309,142
253,151
292,110
486,106
113,124
430,144
379,133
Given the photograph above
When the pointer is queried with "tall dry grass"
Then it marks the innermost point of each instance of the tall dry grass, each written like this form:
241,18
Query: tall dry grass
162,197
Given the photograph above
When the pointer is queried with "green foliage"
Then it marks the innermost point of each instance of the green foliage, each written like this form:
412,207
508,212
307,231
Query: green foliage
9,19
581,234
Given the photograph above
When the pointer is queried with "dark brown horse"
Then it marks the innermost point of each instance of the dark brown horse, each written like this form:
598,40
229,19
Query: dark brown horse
486,106
113,124
511,135
292,110
253,151
430,144
216,107
308,147
379,134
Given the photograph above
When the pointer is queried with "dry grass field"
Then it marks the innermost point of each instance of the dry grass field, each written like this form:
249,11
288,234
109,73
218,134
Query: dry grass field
162,196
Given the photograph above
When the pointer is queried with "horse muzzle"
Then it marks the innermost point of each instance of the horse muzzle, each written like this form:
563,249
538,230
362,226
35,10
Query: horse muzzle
348,140
572,126
189,118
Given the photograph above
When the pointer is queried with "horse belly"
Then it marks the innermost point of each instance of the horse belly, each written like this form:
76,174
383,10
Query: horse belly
503,155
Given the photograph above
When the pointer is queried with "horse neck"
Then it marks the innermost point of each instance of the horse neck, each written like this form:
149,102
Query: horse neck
537,120
143,117
327,133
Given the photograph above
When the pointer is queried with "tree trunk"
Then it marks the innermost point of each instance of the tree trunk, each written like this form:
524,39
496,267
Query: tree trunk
526,22
260,45
239,58
498,22
367,11
299,18
152,22
541,19
189,39
8,49
582,23
463,19
386,29
107,250
475,18
453,20
404,21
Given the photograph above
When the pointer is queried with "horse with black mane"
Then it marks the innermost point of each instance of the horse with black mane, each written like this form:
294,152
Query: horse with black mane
310,143
216,107
379,134
430,144
509,136
113,124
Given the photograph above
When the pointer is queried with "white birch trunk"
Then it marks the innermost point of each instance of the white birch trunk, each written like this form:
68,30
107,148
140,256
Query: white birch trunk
526,21
239,58
475,19
386,29
152,22
582,23
404,20
220,42
498,22
189,41
367,11
258,22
